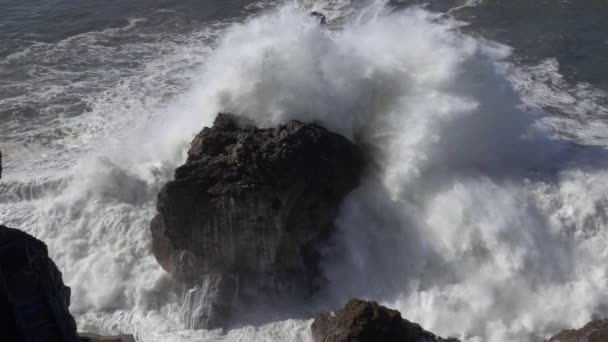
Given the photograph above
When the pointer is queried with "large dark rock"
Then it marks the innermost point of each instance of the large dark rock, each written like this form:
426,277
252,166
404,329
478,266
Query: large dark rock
361,321
596,331
34,301
245,211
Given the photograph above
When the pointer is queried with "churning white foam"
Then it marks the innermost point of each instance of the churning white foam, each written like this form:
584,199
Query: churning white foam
474,220
461,225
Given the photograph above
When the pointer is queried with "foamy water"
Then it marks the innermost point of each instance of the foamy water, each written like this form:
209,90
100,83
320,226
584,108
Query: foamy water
482,217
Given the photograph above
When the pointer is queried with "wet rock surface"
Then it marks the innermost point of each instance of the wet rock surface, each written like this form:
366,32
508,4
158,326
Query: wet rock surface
363,321
248,207
596,331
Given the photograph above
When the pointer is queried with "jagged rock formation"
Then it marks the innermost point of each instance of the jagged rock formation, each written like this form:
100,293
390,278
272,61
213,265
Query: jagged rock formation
34,301
361,321
596,331
245,211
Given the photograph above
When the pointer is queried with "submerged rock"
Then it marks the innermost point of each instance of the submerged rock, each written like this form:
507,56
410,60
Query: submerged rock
596,331
362,321
85,337
246,210
34,301
320,16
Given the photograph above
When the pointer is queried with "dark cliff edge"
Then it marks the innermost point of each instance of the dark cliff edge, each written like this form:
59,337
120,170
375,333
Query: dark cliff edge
34,301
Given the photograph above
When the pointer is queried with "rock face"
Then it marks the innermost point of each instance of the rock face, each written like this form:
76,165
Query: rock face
596,331
361,321
245,211
34,301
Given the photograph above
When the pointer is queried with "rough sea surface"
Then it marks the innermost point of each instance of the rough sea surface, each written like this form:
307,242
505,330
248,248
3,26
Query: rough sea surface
486,217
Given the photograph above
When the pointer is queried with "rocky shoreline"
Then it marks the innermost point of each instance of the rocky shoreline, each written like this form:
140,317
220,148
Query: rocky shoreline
358,321
243,215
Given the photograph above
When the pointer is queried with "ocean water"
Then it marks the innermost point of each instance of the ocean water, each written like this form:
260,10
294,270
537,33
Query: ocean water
484,215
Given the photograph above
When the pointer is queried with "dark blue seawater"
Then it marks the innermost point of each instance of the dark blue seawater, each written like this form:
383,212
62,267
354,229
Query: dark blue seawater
57,56
37,55
573,32
25,22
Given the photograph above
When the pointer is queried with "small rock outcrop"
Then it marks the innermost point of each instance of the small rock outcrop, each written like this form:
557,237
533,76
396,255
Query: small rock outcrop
34,301
320,16
362,321
596,331
246,210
